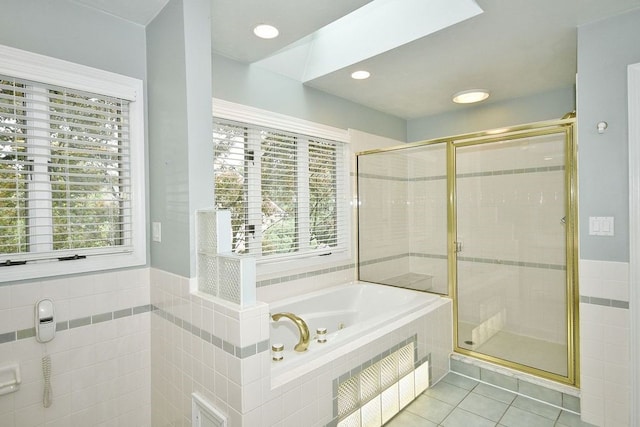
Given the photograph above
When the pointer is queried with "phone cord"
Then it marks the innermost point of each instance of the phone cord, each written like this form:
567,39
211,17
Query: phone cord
46,371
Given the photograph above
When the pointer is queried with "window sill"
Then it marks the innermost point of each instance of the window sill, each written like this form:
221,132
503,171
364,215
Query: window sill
52,269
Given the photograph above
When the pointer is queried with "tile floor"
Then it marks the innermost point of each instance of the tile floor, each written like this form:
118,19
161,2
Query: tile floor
458,401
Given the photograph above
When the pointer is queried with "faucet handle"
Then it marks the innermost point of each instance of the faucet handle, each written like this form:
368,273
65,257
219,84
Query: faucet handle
277,352
321,335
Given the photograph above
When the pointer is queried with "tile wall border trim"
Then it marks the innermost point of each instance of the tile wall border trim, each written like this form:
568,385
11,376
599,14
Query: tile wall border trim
605,302
226,346
77,323
511,171
468,259
497,172
514,263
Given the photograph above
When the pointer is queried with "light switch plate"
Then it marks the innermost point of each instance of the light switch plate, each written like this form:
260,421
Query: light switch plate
156,231
601,226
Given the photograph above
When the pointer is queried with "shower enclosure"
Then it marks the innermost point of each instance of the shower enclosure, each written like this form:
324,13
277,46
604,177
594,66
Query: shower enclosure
489,220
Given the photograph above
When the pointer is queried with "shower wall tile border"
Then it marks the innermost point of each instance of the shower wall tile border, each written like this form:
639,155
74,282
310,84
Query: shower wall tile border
431,256
383,259
383,177
305,275
400,256
498,172
468,259
513,263
76,323
511,172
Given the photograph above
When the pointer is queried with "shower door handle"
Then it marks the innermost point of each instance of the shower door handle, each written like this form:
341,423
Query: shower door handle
458,246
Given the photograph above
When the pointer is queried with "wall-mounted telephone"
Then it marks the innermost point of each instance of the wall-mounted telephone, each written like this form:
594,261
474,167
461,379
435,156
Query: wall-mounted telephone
45,320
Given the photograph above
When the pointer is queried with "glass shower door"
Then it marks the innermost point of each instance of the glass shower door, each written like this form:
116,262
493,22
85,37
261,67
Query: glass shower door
511,205
402,218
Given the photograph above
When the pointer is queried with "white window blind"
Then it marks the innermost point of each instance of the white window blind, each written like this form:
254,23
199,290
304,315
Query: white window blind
285,190
65,183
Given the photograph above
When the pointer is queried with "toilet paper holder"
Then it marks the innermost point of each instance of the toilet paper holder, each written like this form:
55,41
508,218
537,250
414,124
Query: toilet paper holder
10,379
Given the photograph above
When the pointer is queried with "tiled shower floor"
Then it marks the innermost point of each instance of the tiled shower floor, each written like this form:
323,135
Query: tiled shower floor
458,401
545,355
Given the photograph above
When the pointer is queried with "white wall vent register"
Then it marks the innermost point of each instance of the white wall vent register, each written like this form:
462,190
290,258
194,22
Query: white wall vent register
203,414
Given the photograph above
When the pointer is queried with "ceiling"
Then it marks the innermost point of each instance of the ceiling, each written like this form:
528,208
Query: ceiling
514,48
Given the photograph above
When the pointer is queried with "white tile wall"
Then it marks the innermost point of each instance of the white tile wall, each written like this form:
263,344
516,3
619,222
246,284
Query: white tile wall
183,362
604,344
241,387
602,279
100,372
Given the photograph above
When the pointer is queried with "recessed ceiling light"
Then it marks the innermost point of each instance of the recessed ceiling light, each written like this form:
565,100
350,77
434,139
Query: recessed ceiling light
360,75
470,96
266,31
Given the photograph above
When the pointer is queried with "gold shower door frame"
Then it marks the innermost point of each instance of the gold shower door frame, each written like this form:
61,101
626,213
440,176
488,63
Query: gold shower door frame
563,128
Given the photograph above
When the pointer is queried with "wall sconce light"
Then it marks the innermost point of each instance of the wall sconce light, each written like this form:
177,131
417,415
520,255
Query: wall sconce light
602,126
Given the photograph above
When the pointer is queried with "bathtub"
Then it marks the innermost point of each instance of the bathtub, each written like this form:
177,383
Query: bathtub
354,314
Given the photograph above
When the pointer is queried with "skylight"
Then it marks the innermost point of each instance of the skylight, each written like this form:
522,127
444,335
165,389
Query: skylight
375,28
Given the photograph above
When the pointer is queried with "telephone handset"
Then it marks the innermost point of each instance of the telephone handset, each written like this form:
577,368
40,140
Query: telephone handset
45,320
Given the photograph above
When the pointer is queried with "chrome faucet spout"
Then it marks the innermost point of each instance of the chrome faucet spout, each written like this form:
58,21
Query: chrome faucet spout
303,343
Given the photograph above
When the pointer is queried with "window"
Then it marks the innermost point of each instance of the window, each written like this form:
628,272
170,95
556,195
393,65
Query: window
71,168
286,190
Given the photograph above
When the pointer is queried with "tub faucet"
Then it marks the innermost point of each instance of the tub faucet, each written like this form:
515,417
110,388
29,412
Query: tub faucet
302,328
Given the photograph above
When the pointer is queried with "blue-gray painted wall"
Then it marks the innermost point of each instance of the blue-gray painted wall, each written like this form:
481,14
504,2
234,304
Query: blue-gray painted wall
65,30
181,152
79,35
494,115
261,88
605,49
177,188
168,139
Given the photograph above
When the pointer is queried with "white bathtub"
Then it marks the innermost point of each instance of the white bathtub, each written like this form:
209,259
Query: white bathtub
354,315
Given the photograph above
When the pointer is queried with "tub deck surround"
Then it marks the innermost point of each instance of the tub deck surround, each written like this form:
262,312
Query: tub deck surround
353,314
241,383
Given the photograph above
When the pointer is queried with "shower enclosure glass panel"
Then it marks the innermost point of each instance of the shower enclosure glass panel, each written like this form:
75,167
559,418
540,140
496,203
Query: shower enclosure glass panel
511,251
402,217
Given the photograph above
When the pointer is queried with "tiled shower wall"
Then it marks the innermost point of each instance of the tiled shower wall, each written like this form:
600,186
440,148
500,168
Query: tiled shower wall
503,198
100,355
383,229
604,343
496,272
427,181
